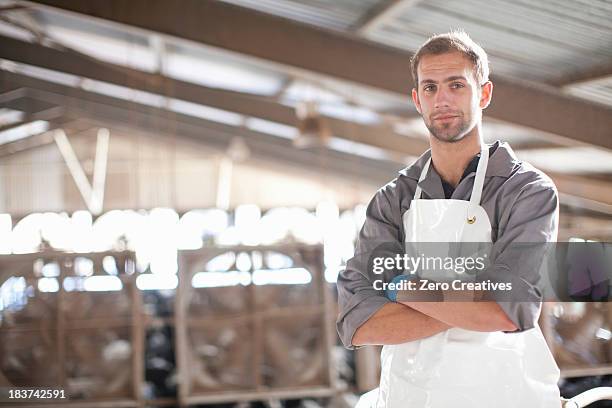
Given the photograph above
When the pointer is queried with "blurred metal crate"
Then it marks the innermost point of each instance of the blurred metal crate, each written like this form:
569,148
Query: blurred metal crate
572,333
254,341
88,343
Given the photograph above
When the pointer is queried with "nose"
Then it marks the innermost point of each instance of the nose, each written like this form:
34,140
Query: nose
442,98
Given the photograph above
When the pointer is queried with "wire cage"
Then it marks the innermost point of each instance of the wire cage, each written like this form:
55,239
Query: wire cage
253,323
70,321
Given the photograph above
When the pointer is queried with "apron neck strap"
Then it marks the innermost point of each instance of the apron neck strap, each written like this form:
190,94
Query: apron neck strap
480,176
417,192
478,181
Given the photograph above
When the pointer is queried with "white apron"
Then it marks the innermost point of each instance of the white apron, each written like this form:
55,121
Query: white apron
463,368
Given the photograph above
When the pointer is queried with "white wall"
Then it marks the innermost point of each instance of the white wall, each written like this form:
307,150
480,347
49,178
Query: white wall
146,172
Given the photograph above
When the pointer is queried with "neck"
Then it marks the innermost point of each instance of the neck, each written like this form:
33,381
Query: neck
450,159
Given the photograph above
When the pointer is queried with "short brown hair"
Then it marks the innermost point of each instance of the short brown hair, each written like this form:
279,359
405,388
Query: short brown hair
453,41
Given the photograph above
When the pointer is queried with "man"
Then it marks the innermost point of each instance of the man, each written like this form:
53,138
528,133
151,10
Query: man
452,353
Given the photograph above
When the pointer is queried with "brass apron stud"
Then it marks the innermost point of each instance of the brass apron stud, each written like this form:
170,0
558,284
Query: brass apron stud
471,219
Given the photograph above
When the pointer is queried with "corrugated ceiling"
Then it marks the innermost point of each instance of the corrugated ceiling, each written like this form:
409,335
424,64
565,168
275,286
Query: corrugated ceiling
540,41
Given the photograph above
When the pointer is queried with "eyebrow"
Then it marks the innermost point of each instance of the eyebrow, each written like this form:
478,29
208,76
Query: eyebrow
449,79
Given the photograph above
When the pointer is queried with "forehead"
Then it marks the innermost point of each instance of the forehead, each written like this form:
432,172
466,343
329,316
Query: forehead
443,65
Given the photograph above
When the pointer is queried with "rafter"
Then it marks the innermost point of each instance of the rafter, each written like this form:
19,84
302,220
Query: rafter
343,57
69,124
381,136
381,13
585,187
48,114
114,112
592,74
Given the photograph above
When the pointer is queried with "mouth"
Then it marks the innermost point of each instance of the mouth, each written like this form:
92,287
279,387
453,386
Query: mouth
445,117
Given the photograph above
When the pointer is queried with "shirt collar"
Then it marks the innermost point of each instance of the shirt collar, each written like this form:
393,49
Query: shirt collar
501,163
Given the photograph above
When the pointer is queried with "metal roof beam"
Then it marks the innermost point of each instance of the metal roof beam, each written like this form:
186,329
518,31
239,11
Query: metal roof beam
381,13
11,93
584,187
46,115
343,57
41,139
112,112
74,63
588,75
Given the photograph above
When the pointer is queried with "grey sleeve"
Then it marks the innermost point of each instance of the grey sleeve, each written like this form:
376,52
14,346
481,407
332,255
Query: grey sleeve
357,299
519,251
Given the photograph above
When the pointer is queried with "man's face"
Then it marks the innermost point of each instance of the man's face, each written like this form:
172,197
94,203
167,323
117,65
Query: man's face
448,96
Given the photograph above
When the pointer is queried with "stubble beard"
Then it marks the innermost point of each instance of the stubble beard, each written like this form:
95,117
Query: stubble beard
449,132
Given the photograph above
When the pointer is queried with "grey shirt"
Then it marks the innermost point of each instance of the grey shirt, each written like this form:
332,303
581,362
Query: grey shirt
522,205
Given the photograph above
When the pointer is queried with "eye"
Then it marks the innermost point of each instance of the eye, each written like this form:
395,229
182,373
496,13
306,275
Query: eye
429,88
456,85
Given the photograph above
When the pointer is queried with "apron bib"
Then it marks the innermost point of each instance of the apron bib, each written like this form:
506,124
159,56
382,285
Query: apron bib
463,368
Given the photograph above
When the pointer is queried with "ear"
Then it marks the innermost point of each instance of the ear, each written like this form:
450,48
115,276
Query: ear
486,94
415,99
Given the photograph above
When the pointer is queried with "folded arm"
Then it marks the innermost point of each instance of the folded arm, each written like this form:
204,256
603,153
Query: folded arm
366,316
395,323
529,224
476,316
